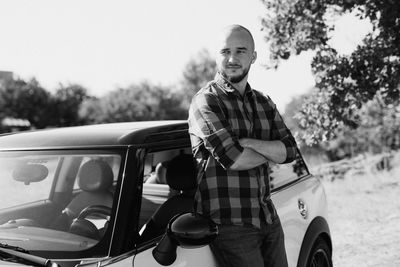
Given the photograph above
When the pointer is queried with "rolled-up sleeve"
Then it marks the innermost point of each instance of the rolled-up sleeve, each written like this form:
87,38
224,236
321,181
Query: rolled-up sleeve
280,132
209,127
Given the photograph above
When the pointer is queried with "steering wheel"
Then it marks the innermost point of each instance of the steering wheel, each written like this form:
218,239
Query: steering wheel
82,226
103,212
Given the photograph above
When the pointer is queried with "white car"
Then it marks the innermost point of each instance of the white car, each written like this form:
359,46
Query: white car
122,194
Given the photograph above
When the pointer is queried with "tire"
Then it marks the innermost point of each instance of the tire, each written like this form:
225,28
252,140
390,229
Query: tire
320,255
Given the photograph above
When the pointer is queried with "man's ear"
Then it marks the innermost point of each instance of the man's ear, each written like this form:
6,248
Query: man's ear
254,57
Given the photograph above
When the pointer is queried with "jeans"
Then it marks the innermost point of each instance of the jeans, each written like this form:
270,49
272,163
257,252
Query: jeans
241,246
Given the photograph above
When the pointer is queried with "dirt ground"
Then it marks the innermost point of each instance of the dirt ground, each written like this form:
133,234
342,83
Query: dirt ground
364,216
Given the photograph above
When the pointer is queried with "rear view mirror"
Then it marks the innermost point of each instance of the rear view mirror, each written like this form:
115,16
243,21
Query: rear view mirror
188,230
30,173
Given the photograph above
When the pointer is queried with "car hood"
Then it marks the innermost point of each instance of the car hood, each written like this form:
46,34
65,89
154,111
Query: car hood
34,238
11,264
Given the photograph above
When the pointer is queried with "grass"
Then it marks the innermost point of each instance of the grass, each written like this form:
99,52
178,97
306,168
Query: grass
364,214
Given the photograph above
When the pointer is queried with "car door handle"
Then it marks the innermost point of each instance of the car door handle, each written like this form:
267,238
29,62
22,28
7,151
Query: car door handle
303,209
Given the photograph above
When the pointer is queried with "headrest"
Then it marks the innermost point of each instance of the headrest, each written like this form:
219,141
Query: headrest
95,175
181,173
160,173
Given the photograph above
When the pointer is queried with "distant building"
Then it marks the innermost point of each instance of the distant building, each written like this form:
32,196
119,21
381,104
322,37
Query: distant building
9,124
5,76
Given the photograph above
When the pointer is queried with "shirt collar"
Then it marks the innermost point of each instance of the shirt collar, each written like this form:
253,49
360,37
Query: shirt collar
229,88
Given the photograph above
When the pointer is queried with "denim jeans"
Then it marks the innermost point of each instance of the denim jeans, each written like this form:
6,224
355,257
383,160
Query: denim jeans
241,246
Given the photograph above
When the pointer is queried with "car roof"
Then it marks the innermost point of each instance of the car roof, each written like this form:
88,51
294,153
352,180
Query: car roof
100,135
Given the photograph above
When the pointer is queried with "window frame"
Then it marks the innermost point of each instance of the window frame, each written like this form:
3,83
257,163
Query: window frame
103,247
298,178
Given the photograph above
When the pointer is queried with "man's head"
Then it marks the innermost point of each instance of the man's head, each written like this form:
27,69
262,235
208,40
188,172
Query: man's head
235,53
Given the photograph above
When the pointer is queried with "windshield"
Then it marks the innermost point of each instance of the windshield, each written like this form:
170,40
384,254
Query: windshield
56,200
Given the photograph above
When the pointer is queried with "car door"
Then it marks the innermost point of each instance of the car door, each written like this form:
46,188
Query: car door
156,194
295,194
197,257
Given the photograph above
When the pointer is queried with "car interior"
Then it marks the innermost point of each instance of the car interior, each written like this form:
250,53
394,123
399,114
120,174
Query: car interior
169,195
95,180
60,195
170,184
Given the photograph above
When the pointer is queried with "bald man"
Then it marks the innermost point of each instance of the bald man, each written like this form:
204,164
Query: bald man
235,131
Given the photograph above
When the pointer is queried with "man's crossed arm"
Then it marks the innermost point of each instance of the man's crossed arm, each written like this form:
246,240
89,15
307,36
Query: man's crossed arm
257,152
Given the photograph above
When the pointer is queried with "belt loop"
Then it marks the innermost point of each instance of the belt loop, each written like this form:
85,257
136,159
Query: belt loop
271,208
266,215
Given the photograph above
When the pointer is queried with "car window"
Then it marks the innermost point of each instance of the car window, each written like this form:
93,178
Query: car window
282,174
155,187
16,191
57,200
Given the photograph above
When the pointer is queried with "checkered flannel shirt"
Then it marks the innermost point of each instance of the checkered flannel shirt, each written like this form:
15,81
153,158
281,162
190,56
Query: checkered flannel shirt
218,117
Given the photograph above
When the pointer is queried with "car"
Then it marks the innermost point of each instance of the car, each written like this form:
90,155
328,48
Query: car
121,194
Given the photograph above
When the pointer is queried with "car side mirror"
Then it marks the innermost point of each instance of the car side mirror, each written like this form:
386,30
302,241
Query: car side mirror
188,230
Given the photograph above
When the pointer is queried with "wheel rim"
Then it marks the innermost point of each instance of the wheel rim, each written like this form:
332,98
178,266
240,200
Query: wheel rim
320,259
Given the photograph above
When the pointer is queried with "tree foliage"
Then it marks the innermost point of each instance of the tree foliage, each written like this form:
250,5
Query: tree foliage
68,100
198,71
146,101
378,130
315,153
344,82
134,103
71,105
26,100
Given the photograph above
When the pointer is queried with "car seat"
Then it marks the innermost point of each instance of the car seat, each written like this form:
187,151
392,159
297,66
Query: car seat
95,178
180,176
159,176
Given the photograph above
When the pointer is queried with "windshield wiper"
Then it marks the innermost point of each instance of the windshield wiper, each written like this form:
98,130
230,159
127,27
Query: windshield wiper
20,255
7,246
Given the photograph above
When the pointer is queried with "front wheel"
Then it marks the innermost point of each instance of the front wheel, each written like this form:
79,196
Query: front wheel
320,255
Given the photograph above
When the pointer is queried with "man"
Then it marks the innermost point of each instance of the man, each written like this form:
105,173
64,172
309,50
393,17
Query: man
235,131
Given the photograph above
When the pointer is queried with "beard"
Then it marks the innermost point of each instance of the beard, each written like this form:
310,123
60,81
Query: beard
236,78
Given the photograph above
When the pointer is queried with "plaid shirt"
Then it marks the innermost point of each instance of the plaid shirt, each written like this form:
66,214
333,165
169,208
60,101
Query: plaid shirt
218,117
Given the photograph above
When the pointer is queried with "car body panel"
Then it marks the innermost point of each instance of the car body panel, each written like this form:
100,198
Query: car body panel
35,238
113,134
294,225
285,199
198,257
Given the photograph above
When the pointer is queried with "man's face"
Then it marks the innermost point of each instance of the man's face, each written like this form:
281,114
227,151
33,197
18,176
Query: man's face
235,54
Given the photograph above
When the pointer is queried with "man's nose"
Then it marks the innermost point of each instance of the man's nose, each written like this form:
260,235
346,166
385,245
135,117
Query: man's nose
232,58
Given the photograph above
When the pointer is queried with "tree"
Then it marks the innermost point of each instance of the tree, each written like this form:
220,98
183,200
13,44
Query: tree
197,72
315,153
90,111
26,100
378,130
344,82
67,104
134,103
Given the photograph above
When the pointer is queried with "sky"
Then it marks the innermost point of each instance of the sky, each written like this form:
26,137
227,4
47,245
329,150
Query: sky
106,44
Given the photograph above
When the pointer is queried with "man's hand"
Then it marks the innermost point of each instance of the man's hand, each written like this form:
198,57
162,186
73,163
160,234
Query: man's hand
245,142
247,160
